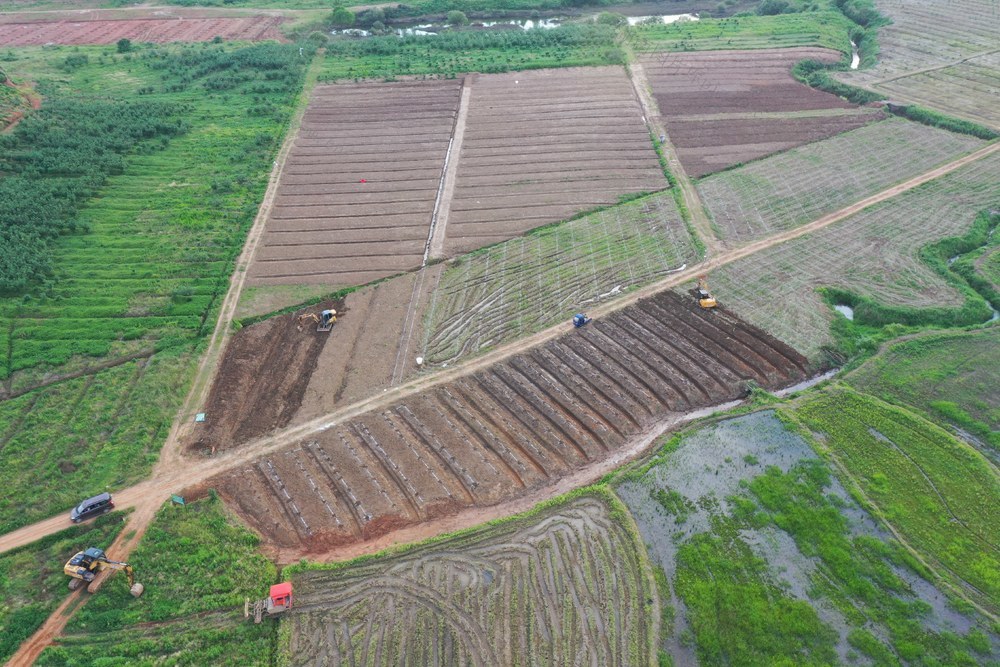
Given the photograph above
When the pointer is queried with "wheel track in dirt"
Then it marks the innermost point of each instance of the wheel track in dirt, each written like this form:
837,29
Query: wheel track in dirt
173,472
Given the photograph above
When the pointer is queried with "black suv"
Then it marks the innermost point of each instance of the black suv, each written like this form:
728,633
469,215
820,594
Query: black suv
91,507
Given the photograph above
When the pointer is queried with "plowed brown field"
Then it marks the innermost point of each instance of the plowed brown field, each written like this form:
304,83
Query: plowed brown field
504,431
542,146
568,587
727,107
251,28
261,381
359,187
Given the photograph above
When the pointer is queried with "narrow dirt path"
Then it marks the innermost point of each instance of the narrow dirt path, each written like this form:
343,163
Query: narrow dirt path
168,473
175,473
451,172
696,210
933,68
439,224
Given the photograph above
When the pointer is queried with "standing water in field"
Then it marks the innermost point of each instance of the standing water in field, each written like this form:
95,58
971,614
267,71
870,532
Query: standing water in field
846,311
855,56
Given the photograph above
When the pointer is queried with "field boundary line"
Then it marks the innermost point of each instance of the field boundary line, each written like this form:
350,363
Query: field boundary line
934,68
775,115
439,223
699,218
442,209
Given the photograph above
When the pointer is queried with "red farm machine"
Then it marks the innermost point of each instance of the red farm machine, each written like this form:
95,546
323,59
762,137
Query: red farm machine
278,601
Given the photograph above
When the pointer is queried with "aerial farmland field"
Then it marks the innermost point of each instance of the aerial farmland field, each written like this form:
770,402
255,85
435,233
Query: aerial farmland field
566,585
873,253
359,189
795,469
723,108
155,30
514,288
541,146
802,184
766,556
941,55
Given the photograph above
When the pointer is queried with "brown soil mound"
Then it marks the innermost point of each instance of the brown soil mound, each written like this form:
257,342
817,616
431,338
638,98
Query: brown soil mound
261,381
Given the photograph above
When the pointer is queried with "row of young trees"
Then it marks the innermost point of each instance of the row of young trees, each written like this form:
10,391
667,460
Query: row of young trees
514,40
54,160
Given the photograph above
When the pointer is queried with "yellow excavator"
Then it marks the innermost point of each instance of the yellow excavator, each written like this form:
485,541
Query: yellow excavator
705,299
324,321
92,567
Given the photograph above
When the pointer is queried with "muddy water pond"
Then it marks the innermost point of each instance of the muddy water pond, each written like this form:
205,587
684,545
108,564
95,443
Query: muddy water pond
715,463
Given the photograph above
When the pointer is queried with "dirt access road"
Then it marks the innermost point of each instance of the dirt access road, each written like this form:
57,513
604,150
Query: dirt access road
174,472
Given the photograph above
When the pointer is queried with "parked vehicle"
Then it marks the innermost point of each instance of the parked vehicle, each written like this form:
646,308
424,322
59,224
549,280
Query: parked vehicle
100,504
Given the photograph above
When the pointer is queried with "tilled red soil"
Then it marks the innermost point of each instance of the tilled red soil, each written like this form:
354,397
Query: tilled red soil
707,146
357,193
690,86
251,28
542,146
504,431
261,381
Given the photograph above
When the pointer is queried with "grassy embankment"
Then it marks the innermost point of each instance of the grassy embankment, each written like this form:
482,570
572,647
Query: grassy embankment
135,283
197,565
948,377
828,29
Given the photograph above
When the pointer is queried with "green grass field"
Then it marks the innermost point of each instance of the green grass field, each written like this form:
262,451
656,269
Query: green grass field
950,378
83,436
937,492
97,356
829,29
32,582
197,565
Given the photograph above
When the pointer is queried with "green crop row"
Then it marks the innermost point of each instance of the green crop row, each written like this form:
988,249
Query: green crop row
57,158
151,252
828,29
935,490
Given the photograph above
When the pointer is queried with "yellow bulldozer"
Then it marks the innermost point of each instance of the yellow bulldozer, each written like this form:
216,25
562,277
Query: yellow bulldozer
92,566
705,299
